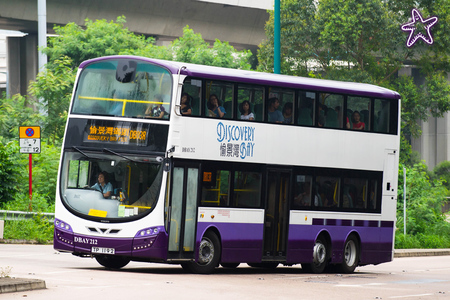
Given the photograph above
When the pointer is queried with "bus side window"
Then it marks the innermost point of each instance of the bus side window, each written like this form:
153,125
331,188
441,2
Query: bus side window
250,101
327,190
329,108
382,116
355,193
305,108
357,114
219,100
193,87
247,189
215,188
302,191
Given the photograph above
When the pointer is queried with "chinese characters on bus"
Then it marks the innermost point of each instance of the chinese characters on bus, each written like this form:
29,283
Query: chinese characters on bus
121,133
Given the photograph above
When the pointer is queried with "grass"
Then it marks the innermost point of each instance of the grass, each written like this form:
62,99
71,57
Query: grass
39,228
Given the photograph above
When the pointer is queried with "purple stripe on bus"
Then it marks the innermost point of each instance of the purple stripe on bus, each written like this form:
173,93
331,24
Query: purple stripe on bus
240,242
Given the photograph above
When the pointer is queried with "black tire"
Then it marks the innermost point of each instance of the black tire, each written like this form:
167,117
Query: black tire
209,254
112,262
230,265
264,265
321,254
350,256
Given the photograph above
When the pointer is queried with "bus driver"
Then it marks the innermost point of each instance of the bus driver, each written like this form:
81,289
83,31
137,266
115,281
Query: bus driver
103,185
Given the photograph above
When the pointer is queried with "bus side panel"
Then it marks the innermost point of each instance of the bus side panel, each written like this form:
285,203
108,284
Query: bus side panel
240,242
376,240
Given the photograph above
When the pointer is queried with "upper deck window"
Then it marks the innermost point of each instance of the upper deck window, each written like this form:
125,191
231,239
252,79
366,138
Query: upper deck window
125,88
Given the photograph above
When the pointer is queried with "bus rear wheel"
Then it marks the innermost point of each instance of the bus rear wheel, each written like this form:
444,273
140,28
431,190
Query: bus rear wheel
208,255
112,262
350,257
320,257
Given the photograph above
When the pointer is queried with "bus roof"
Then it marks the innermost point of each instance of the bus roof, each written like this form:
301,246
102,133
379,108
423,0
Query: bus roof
260,78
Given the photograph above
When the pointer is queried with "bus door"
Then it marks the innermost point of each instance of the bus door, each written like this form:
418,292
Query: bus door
183,211
276,214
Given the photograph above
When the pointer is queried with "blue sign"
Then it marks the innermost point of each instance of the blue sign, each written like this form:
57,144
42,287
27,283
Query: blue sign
236,141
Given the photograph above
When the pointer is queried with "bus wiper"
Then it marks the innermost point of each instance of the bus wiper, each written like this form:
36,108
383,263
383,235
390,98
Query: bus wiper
76,148
120,155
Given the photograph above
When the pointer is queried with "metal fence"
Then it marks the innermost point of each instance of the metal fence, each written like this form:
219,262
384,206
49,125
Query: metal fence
12,215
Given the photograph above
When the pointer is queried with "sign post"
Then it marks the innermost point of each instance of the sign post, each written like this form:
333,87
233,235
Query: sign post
30,142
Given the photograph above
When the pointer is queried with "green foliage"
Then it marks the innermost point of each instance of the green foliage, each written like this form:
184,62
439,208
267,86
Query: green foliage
39,228
424,202
421,241
10,175
192,48
97,38
54,86
17,111
442,171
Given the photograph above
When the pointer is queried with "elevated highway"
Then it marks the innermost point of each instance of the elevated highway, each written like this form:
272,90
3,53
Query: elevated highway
240,22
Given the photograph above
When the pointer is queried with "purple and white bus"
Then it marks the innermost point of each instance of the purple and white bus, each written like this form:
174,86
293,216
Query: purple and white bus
203,166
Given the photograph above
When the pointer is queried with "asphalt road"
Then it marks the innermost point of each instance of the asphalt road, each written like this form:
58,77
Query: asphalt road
68,277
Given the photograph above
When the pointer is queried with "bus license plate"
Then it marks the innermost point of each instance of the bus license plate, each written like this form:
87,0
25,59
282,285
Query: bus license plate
103,250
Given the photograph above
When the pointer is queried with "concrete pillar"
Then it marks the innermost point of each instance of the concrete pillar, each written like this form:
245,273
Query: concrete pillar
22,62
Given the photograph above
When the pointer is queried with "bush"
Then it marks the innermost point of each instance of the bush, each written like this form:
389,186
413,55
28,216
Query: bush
39,228
421,241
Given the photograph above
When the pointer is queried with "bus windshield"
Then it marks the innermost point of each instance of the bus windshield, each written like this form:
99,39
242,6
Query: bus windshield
110,185
123,87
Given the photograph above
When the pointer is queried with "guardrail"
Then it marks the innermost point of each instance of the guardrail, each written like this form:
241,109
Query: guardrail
12,215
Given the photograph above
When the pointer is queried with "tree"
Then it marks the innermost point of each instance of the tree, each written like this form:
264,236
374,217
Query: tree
361,41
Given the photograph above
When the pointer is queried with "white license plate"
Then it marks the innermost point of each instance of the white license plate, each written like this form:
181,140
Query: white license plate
103,250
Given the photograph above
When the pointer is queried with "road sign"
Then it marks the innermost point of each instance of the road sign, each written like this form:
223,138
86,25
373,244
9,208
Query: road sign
30,139
30,132
30,145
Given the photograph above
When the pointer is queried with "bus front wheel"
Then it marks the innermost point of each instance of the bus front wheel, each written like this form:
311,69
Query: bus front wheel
112,262
208,255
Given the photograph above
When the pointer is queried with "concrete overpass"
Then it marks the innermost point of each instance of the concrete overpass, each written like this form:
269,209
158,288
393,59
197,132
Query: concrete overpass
240,22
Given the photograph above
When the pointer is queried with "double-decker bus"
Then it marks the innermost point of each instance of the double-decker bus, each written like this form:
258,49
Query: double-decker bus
203,166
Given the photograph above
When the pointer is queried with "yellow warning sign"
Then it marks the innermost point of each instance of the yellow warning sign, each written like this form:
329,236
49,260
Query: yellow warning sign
30,132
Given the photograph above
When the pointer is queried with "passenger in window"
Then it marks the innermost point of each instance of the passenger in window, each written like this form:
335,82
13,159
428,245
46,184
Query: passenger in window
304,199
186,108
275,116
246,112
214,108
103,185
356,120
156,111
321,121
287,113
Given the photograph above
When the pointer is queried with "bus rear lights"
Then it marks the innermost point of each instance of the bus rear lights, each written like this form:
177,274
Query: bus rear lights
63,225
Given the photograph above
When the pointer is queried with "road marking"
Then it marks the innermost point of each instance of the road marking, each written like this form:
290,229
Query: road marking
409,296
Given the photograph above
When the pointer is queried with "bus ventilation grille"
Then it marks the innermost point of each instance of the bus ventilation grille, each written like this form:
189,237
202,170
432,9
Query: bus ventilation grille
104,230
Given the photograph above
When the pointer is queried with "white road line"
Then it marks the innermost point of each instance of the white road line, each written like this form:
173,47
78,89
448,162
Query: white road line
409,296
